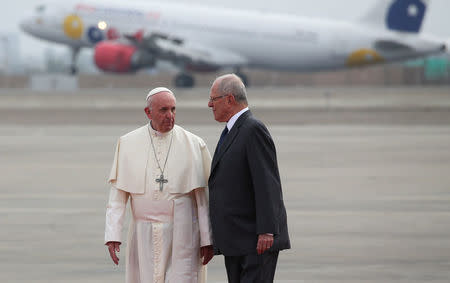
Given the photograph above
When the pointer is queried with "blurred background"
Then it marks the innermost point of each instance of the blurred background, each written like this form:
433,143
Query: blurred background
22,56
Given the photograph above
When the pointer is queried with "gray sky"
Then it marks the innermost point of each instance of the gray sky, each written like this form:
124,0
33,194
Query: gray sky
437,21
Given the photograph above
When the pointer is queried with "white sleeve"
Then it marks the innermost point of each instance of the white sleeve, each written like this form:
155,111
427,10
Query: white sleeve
115,214
203,217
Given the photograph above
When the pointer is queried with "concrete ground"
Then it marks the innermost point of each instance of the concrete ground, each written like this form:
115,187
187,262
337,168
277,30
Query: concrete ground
365,175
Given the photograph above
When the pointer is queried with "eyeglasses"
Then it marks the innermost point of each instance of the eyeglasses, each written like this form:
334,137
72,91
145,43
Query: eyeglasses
212,99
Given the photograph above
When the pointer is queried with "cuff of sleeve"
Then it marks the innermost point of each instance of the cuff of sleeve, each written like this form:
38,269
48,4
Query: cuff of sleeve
112,236
205,239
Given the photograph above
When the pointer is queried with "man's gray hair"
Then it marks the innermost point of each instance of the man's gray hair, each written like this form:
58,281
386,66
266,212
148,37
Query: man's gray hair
232,84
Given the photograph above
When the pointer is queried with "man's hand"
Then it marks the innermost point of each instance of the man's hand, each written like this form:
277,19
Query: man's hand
265,241
114,247
207,253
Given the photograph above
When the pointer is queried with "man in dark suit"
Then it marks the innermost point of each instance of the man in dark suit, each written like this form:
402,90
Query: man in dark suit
248,217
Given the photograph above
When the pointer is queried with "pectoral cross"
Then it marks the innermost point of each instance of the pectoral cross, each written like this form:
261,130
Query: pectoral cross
161,182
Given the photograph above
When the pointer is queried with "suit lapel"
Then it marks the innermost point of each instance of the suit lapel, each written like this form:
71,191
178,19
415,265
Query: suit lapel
229,138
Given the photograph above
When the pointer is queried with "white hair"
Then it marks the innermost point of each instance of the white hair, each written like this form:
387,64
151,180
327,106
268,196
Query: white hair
232,84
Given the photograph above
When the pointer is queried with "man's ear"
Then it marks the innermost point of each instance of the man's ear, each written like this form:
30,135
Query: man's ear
230,98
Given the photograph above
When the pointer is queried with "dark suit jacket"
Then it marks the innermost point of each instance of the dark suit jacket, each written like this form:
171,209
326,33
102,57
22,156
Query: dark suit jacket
245,195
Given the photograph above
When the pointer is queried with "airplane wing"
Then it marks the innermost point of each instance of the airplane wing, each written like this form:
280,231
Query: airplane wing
188,54
399,49
198,53
392,46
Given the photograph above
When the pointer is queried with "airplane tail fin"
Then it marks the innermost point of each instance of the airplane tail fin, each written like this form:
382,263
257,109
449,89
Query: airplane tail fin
398,15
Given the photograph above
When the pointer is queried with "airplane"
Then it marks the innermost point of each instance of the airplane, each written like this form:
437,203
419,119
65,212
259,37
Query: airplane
127,37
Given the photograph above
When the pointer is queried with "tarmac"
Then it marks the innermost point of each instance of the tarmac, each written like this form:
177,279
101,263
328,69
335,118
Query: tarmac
365,175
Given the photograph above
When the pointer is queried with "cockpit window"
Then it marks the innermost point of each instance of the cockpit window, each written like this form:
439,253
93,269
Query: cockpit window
40,8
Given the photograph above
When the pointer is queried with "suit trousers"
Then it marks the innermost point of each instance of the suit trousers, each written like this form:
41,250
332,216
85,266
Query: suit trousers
252,268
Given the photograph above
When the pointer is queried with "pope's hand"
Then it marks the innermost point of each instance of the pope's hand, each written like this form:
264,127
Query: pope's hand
207,253
114,247
265,241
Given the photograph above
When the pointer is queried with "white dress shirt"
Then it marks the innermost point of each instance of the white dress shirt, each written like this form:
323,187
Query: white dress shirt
233,119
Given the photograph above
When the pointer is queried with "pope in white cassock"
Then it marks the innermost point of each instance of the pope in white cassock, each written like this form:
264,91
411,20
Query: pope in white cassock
163,170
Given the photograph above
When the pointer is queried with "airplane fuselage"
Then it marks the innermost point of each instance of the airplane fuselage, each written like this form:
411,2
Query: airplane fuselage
264,40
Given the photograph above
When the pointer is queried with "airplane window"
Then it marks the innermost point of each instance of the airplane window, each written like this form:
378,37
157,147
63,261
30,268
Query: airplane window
40,8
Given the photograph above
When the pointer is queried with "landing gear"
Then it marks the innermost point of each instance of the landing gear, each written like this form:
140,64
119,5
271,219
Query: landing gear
73,68
184,80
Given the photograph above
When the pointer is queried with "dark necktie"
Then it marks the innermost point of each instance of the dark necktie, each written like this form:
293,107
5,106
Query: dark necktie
222,136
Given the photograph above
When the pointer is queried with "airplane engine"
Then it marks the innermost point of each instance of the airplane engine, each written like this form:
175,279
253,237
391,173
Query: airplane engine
121,58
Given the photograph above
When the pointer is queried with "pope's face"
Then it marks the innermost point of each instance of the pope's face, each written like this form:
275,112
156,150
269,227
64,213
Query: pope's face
162,112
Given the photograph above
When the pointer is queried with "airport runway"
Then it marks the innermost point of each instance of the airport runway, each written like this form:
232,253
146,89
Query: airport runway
365,174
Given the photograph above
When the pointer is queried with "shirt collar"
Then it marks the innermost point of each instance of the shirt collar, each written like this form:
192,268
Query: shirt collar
233,119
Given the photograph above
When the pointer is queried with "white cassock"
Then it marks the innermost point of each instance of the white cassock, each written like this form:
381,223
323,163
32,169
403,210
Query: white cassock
169,226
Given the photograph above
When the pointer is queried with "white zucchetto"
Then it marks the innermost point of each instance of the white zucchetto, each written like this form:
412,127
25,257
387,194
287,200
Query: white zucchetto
158,90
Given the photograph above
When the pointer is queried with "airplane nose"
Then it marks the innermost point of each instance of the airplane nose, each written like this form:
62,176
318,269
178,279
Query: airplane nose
25,24
22,25
28,23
